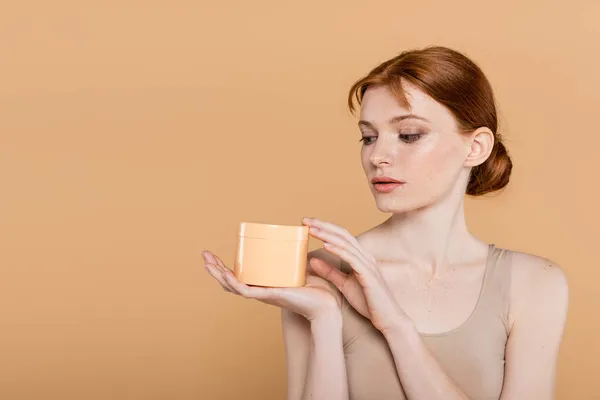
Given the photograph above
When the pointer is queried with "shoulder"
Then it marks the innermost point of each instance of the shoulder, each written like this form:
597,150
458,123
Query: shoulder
538,286
532,273
538,313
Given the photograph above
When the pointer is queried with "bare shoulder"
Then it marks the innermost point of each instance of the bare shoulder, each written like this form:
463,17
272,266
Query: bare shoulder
538,286
536,272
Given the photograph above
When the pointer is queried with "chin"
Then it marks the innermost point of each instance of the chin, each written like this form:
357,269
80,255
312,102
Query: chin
395,205
402,203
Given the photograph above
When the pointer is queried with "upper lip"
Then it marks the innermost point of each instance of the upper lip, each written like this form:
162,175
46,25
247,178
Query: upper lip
381,179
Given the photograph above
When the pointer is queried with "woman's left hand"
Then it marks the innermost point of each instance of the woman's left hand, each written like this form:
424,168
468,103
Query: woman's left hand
364,288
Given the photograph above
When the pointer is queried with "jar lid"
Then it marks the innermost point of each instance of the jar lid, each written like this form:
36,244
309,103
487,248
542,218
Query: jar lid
273,232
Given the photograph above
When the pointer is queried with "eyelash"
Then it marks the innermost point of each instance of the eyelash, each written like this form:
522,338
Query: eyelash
407,138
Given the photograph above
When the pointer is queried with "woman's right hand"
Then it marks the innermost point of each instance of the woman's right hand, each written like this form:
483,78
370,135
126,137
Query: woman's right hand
315,298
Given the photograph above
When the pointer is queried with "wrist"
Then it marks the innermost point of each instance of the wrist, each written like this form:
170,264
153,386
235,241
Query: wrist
326,331
327,320
402,325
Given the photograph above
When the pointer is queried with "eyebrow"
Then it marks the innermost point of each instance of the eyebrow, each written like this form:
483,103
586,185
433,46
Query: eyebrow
393,120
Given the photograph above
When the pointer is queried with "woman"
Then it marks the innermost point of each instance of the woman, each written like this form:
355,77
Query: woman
417,307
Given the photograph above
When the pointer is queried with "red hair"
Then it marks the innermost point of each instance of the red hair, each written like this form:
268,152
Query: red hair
456,82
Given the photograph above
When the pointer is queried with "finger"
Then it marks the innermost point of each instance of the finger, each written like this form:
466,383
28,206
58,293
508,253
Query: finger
350,253
219,262
224,271
217,273
358,266
340,242
209,257
252,292
328,227
327,272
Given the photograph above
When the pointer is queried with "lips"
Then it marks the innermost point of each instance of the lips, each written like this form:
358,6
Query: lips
385,179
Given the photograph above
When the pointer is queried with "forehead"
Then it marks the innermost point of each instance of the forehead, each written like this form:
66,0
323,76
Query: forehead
379,104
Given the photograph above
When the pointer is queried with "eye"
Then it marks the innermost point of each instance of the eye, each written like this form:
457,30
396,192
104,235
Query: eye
367,140
410,138
405,137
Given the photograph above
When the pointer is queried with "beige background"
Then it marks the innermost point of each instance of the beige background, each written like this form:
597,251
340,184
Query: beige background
135,134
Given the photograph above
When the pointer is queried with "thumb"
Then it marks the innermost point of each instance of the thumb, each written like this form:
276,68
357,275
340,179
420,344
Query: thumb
329,273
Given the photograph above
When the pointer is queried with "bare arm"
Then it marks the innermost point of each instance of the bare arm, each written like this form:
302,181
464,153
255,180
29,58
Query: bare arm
315,361
312,327
296,340
539,300
316,368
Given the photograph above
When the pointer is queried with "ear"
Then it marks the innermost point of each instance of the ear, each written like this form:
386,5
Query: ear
481,143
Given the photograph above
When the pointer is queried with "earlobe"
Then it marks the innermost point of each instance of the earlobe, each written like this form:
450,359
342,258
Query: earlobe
481,144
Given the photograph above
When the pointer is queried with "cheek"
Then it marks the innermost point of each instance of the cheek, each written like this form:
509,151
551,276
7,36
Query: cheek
423,162
432,169
431,164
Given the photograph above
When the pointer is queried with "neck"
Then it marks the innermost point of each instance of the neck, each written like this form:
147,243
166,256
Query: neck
434,237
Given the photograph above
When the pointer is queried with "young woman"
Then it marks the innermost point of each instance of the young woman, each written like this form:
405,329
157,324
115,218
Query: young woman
417,307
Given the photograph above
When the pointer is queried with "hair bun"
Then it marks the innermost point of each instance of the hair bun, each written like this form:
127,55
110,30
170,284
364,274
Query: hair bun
493,174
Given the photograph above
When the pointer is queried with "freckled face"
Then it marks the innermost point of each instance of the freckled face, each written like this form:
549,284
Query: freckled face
420,146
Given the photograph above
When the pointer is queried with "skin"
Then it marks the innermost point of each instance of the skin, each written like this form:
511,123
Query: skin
419,271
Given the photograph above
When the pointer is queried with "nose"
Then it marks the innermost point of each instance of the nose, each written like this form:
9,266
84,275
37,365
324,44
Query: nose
383,154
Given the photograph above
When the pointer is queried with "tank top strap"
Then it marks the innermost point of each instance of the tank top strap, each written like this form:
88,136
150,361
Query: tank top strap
495,288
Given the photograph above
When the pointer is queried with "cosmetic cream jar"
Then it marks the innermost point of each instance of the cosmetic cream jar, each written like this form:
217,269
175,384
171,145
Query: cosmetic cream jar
271,255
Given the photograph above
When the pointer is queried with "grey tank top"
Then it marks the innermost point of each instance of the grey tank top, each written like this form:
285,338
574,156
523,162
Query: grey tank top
472,354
